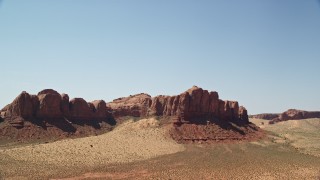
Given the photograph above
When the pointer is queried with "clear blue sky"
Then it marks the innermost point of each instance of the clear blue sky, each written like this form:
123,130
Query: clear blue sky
263,53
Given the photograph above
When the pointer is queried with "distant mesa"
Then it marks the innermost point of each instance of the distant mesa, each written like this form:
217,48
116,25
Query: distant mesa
266,116
194,115
291,114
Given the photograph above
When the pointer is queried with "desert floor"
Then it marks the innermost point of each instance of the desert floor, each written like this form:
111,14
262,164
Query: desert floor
142,150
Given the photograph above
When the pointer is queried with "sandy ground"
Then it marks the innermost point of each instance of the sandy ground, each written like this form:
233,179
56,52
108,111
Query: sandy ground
219,161
304,135
141,150
129,142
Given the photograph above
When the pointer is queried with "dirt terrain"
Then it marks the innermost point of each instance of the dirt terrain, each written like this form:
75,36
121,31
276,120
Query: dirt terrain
143,150
303,135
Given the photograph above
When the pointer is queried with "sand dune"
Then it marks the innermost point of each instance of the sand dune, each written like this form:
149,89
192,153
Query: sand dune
129,142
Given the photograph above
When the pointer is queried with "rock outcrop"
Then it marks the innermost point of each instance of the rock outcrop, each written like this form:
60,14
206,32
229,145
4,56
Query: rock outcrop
196,104
267,116
49,105
290,114
100,109
194,113
294,114
22,106
134,105
64,104
79,109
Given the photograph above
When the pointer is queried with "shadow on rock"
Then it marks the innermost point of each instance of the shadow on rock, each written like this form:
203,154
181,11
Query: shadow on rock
60,123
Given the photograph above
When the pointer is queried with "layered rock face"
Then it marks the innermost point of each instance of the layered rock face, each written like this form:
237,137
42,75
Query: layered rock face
291,114
50,105
194,115
267,116
135,105
195,104
294,114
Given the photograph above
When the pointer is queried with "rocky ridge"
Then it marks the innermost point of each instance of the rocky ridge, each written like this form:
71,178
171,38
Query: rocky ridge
290,114
195,104
267,116
50,105
194,115
50,114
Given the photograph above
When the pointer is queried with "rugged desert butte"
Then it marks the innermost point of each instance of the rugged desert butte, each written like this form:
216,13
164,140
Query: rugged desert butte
290,114
194,115
194,135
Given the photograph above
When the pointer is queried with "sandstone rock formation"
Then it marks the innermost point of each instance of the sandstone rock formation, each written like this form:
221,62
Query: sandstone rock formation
100,109
65,104
49,105
21,106
80,109
294,114
194,114
134,105
196,104
267,116
291,114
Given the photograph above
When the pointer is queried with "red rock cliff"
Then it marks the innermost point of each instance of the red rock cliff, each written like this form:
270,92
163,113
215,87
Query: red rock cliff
50,105
194,104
